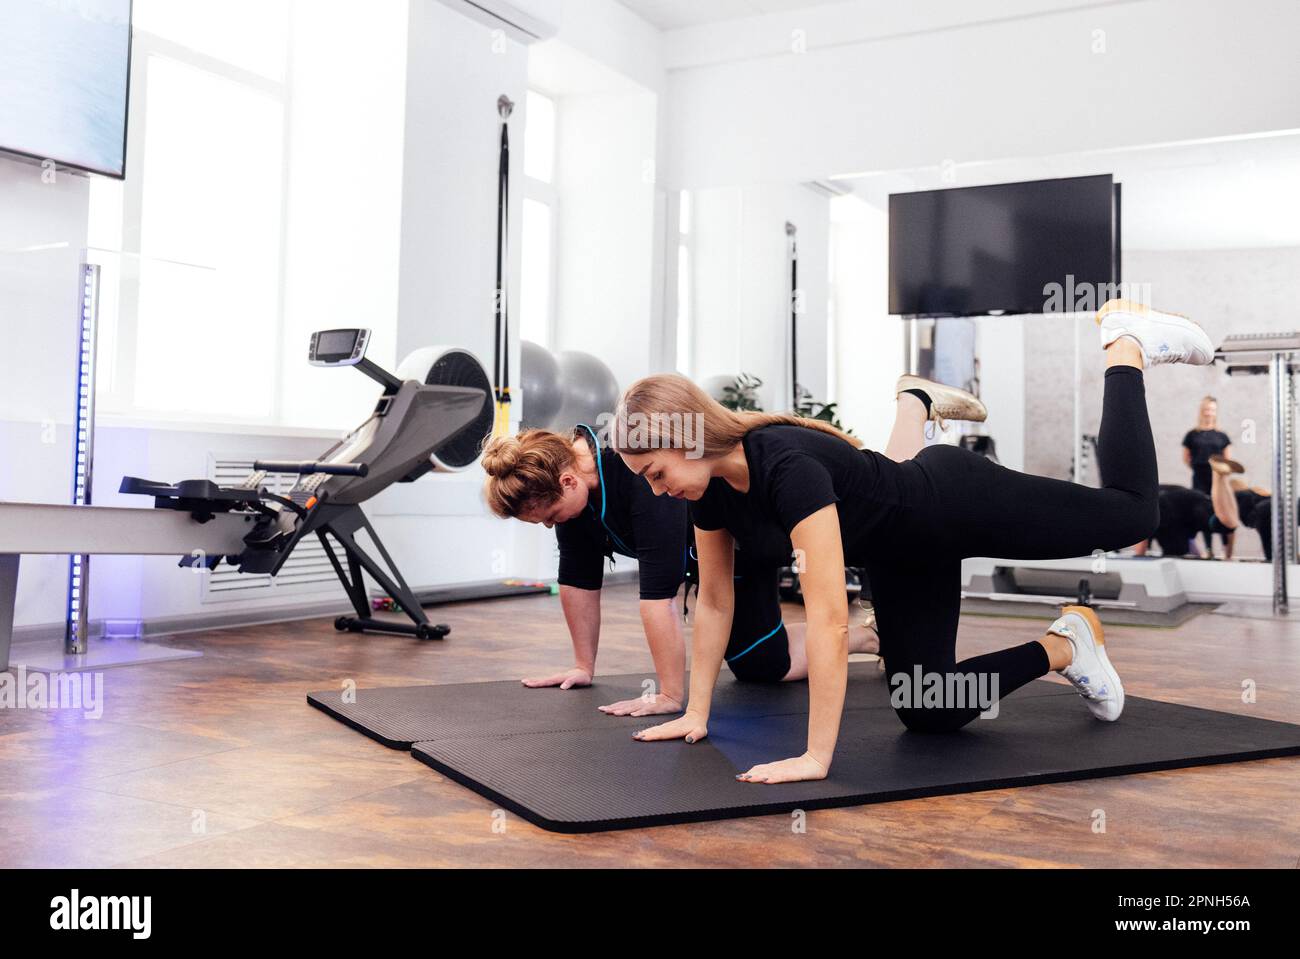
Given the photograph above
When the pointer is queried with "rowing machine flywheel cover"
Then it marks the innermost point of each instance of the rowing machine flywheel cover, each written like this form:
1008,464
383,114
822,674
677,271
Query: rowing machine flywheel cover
454,366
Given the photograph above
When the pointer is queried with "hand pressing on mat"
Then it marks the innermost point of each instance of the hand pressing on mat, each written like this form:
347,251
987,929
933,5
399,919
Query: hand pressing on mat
656,705
799,769
688,727
571,678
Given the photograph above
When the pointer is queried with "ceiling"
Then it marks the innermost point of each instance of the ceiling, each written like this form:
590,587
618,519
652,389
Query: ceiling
674,14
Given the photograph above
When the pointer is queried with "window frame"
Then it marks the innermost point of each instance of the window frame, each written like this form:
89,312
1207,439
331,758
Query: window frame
547,194
117,404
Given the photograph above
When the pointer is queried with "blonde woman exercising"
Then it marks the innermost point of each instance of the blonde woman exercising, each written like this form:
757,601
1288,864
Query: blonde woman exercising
772,483
597,507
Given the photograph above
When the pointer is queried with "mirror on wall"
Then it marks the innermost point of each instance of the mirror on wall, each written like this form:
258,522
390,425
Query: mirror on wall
1208,229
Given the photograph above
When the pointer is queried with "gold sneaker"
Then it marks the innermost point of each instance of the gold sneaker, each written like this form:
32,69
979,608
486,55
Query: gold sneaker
946,402
1224,466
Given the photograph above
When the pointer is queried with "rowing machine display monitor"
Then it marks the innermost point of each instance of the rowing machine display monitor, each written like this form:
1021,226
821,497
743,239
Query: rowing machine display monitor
410,422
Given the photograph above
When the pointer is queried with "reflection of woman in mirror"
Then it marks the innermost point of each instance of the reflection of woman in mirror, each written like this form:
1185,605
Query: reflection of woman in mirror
1236,504
1202,441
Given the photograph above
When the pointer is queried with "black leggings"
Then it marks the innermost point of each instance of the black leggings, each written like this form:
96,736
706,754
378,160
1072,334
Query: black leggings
957,504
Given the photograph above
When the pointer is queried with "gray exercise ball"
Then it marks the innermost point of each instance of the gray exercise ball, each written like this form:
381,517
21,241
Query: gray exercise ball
589,388
539,381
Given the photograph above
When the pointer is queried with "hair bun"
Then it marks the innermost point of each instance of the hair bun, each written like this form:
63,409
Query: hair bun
501,456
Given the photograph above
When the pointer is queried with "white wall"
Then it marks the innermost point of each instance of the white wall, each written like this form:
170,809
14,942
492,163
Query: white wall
608,31
1000,348
605,178
1171,70
344,195
869,342
741,305
42,233
39,300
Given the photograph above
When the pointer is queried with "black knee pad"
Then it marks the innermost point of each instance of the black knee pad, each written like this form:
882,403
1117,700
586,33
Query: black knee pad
930,720
766,663
758,650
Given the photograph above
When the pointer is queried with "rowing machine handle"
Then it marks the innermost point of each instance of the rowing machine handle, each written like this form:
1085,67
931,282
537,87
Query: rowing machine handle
332,469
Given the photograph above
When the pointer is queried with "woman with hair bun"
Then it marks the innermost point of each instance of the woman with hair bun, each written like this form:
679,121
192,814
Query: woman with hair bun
580,487
597,508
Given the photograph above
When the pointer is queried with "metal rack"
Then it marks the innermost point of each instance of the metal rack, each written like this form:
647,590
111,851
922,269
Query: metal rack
1277,355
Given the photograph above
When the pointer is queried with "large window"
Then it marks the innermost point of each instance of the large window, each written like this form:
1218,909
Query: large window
685,289
190,243
538,229
209,272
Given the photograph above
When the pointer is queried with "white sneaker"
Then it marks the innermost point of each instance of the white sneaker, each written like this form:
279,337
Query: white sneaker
1164,337
1090,671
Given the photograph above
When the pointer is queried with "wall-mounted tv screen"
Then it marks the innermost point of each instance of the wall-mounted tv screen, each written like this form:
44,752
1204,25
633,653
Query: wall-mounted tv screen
64,67
971,251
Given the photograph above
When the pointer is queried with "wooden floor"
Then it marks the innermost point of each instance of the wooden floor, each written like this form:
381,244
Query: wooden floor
219,761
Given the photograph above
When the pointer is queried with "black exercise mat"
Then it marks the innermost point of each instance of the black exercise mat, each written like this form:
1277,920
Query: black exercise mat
597,778
552,758
399,716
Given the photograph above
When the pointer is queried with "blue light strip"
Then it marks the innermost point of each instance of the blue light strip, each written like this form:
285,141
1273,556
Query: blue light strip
83,448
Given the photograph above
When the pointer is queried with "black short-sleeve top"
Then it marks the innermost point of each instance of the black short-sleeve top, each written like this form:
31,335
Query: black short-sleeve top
624,516
1203,444
793,472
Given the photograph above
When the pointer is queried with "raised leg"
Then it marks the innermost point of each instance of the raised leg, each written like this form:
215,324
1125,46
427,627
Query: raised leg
907,438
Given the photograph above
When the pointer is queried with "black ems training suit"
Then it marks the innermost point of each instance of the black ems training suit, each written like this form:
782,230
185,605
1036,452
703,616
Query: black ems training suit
910,525
624,516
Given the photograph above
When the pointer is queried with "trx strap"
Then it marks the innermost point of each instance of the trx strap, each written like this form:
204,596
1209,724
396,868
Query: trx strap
791,231
501,359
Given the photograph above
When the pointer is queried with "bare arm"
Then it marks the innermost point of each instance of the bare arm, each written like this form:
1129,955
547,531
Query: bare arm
713,612
1225,502
826,602
582,613
663,632
817,539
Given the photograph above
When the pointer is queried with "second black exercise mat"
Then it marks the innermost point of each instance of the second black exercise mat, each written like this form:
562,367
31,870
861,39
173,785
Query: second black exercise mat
399,716
551,757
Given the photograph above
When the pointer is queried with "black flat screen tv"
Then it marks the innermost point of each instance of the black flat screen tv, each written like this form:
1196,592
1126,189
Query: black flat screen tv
64,72
972,251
